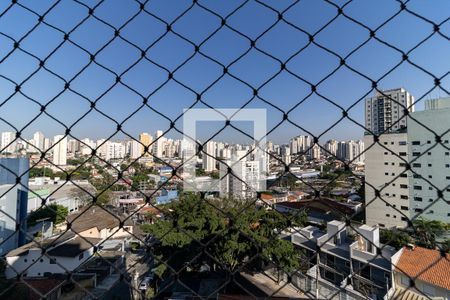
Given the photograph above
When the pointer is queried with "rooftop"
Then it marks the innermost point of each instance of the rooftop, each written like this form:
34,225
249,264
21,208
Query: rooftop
426,265
94,216
73,247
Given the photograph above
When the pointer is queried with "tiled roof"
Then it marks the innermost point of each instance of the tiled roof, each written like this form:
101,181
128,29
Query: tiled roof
426,265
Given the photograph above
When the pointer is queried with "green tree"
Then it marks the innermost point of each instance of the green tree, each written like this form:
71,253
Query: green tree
395,238
235,233
426,231
40,172
55,212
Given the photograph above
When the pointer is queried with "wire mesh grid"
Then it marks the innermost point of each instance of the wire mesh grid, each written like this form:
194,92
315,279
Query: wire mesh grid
317,274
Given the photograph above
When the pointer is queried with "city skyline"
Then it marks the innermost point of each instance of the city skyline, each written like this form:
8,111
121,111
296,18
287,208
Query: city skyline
316,114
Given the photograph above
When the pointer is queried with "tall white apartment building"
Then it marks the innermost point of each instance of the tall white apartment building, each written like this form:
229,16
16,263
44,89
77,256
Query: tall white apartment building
158,145
300,143
8,143
135,149
245,180
38,141
316,152
86,146
385,111
209,162
431,164
332,147
114,150
385,172
59,150
354,151
47,143
422,192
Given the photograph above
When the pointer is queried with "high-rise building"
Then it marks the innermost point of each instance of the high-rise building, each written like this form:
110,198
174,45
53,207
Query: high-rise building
385,112
145,139
208,156
245,180
341,152
331,146
73,146
60,150
385,172
114,150
135,149
316,152
8,143
408,194
13,202
47,143
158,145
430,163
38,141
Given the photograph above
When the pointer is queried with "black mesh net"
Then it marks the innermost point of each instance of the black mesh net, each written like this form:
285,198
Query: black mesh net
112,221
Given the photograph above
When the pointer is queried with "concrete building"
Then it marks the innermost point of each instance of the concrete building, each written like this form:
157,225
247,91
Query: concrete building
385,111
13,202
347,265
208,156
158,146
431,164
385,171
114,150
146,140
245,180
8,143
411,193
135,149
38,141
60,150
332,147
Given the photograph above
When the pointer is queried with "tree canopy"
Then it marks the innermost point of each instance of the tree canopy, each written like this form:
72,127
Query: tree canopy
225,234
56,214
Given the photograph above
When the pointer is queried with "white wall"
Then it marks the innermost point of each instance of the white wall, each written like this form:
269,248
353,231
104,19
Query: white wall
37,264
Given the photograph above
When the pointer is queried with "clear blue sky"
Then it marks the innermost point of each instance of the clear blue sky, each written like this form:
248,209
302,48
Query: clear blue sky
282,41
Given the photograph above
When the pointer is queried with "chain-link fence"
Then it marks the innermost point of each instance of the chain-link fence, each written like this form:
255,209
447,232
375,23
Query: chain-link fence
109,219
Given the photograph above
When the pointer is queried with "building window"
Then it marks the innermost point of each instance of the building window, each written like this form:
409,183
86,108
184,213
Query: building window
402,153
386,153
386,173
430,176
404,175
418,210
428,142
417,165
416,154
404,219
418,199
404,207
416,143
403,186
429,165
386,163
447,177
418,187
447,165
403,197
417,176
402,143
52,261
388,215
447,153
